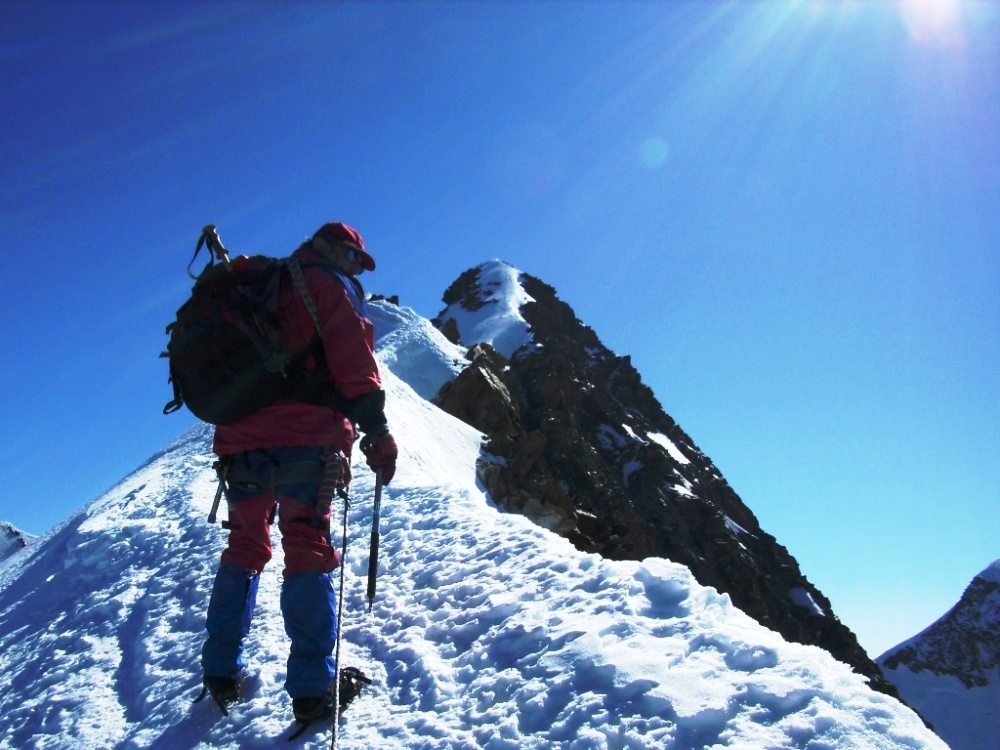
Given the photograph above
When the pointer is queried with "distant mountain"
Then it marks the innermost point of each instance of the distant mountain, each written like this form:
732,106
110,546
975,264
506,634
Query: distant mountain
950,672
487,631
578,443
12,540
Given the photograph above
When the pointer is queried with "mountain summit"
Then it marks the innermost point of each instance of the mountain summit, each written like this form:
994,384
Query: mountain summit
579,444
950,672
487,631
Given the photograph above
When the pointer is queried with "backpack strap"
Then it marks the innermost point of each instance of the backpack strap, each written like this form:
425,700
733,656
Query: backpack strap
299,281
320,391
178,400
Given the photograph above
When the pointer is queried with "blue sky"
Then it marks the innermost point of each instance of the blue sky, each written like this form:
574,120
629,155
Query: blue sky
786,212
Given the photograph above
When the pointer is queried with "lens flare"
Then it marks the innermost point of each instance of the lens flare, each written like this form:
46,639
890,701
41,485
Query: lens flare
932,20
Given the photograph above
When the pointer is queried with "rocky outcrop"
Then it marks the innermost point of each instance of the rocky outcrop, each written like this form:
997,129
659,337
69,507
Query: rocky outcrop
12,540
950,672
577,442
513,469
965,643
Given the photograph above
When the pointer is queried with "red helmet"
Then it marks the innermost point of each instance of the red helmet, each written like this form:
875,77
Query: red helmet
342,234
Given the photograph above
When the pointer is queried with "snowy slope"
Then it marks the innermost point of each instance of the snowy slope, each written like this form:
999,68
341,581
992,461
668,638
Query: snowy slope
414,349
487,631
950,672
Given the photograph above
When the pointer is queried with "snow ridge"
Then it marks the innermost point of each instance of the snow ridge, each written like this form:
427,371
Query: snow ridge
487,631
491,314
413,348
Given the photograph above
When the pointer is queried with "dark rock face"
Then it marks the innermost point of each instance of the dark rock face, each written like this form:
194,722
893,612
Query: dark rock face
965,643
579,444
12,540
950,672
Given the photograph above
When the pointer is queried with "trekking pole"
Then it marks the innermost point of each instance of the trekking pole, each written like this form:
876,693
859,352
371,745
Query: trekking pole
340,623
373,548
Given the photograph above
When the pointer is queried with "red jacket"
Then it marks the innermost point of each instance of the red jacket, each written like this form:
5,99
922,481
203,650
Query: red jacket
348,341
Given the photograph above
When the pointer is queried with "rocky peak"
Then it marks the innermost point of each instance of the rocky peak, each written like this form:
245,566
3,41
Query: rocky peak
950,672
12,540
484,307
964,643
576,441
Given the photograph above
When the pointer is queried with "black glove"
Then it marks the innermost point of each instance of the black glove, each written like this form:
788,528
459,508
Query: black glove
380,453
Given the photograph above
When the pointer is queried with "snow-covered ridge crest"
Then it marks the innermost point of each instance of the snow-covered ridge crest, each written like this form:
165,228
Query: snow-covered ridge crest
991,573
413,348
485,307
487,631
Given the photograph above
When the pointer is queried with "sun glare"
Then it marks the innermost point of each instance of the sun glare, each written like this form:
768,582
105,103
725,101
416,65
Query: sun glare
932,20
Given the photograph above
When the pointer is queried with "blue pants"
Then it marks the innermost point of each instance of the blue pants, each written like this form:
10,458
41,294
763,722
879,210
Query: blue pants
308,599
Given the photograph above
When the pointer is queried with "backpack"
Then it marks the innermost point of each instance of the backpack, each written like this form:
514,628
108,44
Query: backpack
225,358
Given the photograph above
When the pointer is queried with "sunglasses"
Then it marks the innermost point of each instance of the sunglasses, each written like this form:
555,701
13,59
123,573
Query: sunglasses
351,253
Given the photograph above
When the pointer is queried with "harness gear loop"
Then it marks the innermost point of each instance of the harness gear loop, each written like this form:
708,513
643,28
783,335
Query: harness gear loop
326,472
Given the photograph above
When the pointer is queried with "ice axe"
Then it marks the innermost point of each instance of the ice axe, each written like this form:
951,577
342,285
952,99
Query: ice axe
210,239
373,548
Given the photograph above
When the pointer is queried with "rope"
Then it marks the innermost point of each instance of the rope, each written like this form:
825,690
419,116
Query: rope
340,624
